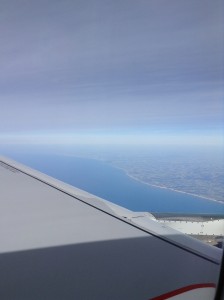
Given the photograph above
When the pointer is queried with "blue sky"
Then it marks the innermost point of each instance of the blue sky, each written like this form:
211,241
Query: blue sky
103,71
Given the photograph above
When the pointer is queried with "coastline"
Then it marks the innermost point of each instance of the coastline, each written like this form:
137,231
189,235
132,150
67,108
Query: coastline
170,189
146,183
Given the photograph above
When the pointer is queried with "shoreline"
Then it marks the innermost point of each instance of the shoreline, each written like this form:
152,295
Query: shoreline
146,183
163,187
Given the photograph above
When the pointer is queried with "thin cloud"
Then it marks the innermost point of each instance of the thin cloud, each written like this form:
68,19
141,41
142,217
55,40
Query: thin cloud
70,65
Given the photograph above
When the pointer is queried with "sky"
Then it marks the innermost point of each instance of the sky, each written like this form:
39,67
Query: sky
103,71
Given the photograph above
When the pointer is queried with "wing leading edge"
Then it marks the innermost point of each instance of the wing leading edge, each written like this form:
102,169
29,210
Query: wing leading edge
59,242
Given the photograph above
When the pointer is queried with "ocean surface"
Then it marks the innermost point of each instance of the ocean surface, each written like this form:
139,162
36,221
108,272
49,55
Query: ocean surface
108,182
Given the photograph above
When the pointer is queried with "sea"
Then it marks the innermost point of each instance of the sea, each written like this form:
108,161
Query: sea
114,184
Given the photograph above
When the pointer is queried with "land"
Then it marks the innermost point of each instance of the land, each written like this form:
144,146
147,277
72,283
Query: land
196,172
201,181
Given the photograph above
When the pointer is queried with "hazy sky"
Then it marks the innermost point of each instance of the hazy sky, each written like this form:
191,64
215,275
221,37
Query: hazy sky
111,70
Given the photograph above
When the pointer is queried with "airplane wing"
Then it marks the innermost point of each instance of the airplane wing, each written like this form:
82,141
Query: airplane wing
59,242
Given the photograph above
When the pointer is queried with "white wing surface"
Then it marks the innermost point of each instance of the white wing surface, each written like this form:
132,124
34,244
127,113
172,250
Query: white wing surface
59,242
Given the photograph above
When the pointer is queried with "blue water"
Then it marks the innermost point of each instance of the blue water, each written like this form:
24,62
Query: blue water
108,182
